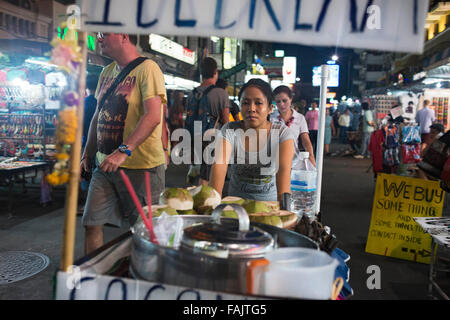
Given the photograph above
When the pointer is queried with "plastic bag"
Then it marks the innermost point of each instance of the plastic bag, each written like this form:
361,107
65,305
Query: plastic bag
410,153
411,135
169,230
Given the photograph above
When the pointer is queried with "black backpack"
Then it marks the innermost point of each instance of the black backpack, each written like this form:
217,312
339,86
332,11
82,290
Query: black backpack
198,109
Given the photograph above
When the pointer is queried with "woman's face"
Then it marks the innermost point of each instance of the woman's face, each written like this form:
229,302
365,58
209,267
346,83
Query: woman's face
283,102
254,108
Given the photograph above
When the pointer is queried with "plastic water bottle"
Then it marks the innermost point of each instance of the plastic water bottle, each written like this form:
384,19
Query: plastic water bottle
303,187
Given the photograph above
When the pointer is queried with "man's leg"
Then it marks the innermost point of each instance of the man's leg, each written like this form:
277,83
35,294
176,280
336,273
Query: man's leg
101,208
365,144
137,178
93,238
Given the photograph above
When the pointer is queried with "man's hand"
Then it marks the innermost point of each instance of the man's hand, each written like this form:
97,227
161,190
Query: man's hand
113,161
85,165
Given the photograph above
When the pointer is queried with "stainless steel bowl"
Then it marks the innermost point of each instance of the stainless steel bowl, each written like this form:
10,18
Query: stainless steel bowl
160,264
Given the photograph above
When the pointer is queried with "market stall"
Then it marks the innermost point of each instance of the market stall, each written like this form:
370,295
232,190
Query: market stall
169,254
29,102
14,172
439,99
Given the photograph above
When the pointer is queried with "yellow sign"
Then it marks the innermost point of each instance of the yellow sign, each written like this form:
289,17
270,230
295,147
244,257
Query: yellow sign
393,232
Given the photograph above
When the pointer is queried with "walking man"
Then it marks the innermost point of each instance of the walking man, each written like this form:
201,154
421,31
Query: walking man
124,134
207,103
368,128
425,118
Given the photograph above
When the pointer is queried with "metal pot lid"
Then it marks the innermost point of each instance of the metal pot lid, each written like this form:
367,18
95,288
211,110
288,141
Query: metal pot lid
225,238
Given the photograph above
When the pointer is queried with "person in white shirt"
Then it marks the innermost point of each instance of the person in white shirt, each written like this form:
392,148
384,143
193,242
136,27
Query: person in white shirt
287,115
425,118
344,123
368,128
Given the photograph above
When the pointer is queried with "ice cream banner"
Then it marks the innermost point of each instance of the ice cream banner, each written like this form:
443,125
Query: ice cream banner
389,25
393,231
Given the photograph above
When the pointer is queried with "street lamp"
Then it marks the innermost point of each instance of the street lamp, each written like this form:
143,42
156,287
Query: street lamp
335,57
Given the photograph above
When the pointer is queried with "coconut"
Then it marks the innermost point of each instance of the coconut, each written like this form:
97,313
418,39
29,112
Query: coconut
158,210
289,219
206,199
281,219
229,214
253,206
233,200
187,212
177,198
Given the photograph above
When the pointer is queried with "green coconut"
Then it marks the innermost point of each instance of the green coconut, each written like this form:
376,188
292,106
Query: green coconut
289,219
253,206
229,214
273,220
168,210
233,200
158,210
206,199
187,212
177,198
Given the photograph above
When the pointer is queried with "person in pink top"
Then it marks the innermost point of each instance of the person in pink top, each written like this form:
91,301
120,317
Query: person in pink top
312,119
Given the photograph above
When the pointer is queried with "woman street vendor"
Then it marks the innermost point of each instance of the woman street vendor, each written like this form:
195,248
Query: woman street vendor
259,152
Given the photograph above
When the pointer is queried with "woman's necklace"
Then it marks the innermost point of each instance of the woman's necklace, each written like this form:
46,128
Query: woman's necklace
289,121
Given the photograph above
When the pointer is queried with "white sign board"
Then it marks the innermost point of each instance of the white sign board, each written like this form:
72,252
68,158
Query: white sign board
171,48
389,25
85,286
333,80
289,69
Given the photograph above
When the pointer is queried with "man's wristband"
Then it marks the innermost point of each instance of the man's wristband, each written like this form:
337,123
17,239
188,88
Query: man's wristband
123,148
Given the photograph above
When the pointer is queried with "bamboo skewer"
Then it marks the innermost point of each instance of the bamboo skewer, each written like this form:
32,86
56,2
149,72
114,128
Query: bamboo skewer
68,247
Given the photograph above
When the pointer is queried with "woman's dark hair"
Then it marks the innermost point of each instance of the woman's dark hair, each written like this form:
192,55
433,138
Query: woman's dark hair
365,106
283,89
261,85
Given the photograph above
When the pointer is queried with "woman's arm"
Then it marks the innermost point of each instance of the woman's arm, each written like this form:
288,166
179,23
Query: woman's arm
284,170
220,166
306,142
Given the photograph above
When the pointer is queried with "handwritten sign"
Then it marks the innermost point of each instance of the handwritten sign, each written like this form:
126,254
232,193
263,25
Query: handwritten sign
70,286
366,24
393,231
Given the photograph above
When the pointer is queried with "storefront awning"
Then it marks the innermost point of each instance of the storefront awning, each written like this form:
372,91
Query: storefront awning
440,72
405,62
438,59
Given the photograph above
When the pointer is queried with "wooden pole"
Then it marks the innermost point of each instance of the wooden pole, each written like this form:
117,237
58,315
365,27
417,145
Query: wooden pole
72,190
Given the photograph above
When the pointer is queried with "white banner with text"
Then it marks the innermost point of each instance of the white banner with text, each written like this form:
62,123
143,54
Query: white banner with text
388,25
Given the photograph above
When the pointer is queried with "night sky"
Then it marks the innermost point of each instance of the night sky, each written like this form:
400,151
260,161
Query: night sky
309,57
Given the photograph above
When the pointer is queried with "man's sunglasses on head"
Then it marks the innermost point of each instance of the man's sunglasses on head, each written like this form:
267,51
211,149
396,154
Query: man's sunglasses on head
101,35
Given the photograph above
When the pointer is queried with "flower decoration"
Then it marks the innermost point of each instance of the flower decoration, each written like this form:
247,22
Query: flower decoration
66,54
65,134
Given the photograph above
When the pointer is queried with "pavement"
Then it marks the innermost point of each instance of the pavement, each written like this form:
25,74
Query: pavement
347,196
